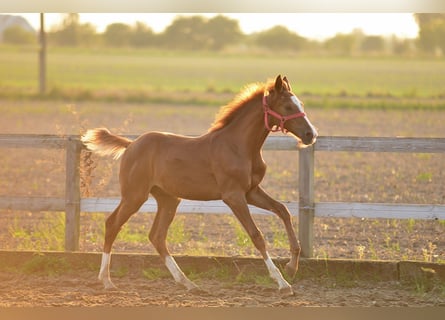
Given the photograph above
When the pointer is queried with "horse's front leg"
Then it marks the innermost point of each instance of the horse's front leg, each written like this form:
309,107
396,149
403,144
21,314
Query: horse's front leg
259,198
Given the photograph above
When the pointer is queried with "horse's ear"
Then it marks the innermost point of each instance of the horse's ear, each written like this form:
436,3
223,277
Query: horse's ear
278,83
287,82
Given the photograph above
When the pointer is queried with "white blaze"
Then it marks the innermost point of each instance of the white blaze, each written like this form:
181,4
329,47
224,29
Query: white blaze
297,102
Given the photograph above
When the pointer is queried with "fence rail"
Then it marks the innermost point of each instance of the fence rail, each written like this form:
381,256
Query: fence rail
306,208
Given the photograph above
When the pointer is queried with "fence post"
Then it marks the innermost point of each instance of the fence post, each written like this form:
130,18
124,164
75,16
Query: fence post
306,201
42,56
72,194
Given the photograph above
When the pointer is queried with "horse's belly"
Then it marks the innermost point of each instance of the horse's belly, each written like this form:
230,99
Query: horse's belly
204,189
188,180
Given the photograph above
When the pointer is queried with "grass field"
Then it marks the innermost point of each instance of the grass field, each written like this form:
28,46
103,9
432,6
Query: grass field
206,78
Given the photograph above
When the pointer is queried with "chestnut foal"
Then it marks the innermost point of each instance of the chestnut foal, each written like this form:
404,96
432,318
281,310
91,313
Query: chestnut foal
224,163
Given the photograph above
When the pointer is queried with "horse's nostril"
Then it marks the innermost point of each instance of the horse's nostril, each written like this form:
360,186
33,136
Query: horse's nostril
309,134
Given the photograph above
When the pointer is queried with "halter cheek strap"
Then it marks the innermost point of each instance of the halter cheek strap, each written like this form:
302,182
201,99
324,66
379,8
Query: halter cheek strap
268,111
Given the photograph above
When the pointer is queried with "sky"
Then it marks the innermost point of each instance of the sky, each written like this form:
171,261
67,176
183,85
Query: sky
310,25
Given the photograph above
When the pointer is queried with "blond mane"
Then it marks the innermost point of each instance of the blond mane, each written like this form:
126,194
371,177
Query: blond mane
228,112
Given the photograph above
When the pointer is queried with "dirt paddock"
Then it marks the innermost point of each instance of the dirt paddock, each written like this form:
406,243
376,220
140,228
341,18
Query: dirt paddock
69,279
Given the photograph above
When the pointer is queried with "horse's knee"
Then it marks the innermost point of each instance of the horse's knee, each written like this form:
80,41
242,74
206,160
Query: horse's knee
282,211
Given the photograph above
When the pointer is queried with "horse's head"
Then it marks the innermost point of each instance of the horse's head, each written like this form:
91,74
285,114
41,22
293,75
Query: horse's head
284,111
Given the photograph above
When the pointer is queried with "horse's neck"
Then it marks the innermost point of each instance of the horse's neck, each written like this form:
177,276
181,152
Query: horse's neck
248,127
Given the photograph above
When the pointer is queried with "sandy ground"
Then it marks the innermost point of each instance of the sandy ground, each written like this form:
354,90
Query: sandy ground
83,289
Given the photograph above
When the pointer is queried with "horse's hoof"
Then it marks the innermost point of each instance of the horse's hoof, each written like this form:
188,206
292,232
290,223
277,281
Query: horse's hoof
109,286
290,270
198,291
189,285
286,291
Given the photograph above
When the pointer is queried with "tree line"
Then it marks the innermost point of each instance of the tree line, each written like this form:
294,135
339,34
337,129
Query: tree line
220,32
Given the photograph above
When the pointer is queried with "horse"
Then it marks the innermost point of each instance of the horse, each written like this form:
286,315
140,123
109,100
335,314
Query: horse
225,163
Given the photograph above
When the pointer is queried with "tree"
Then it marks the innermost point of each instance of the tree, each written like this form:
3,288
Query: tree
186,33
18,35
199,33
142,35
117,34
431,31
372,44
341,44
345,44
279,38
222,31
72,33
401,46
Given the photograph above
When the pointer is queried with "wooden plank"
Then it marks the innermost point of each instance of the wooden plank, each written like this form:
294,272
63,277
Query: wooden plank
306,200
322,209
186,206
72,195
280,143
32,203
355,144
47,141
381,144
380,210
271,143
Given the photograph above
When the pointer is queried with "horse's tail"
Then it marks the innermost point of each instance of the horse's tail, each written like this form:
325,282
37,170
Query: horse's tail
104,143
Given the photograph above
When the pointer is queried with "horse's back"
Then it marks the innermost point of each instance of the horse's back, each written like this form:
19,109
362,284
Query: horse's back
164,143
179,165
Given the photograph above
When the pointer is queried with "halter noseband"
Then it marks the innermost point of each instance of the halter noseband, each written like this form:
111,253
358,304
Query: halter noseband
268,111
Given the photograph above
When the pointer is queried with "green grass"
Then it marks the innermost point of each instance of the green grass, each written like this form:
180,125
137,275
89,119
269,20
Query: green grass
242,239
46,234
43,265
142,75
280,239
424,177
176,231
155,273
137,234
221,273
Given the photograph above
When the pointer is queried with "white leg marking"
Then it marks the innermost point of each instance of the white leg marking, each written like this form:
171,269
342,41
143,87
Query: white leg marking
104,273
283,285
177,273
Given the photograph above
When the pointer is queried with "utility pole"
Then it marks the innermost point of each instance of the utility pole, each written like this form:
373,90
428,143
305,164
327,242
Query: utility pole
42,56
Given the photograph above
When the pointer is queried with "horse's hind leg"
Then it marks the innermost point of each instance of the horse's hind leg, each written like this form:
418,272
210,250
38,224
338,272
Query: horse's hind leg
167,206
237,202
114,222
258,197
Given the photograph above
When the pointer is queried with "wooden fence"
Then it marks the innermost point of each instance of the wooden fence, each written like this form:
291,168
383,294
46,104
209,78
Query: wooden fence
306,208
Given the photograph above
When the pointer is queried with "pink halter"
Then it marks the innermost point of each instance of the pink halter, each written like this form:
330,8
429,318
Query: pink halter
268,111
